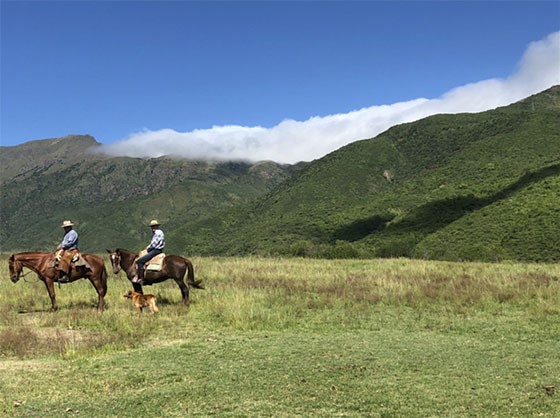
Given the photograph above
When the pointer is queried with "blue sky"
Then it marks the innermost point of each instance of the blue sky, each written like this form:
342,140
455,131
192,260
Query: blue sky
240,78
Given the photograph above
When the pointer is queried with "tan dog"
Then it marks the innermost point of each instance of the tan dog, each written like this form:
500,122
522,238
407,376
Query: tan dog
141,301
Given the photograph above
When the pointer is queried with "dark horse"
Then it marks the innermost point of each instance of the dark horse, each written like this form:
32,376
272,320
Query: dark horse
173,267
41,263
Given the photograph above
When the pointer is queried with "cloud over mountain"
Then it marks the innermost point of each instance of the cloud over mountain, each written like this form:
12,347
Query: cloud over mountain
291,141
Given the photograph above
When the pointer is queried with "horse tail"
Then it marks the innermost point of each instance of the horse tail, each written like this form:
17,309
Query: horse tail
190,274
104,277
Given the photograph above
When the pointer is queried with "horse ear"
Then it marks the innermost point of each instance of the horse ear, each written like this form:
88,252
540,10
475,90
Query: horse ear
109,251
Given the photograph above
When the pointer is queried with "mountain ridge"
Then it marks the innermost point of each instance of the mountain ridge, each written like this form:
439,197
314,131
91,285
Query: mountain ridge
441,168
472,186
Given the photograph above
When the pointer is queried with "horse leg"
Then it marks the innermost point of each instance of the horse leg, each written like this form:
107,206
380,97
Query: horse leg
101,300
50,288
99,281
101,292
184,290
138,288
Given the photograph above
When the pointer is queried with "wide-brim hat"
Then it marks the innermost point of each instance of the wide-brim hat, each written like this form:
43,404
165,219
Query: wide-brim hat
66,224
154,222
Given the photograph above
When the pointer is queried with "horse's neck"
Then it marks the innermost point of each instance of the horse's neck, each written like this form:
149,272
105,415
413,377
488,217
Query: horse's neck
32,261
127,259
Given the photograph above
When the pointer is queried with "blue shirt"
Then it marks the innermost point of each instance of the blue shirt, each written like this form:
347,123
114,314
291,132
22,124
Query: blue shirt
70,240
157,242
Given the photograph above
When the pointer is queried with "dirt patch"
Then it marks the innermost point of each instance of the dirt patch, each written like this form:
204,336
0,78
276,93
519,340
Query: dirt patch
27,365
25,341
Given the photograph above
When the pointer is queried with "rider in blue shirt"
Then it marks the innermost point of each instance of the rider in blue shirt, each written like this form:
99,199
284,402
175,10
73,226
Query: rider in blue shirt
66,250
156,246
70,240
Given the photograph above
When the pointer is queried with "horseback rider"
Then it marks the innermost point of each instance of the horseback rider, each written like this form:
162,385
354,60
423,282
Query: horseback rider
156,246
66,250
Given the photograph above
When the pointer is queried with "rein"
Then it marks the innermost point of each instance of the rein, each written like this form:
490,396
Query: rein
25,274
34,265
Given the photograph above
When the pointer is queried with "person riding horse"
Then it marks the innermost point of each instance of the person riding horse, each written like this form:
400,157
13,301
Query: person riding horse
156,246
66,250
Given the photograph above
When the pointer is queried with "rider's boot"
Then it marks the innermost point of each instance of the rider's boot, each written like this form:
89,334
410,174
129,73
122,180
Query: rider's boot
140,277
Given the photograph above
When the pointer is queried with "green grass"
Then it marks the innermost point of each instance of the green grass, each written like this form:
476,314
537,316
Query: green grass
291,337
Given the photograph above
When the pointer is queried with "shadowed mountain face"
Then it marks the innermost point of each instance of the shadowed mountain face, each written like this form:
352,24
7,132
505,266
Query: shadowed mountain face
468,186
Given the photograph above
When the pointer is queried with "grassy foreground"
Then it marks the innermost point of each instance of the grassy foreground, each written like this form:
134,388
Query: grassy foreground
291,337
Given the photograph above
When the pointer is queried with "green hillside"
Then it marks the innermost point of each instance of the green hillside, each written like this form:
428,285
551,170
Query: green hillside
112,199
468,186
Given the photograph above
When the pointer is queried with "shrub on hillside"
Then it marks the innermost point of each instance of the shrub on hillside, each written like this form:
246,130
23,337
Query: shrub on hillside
340,250
302,248
397,247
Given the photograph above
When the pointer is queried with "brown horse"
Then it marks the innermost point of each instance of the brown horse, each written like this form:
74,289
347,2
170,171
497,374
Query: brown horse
41,263
173,267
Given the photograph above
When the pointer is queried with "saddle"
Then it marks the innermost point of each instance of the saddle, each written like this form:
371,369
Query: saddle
77,260
155,264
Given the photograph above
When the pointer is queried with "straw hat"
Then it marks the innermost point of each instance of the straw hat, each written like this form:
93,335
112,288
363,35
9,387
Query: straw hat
154,222
66,224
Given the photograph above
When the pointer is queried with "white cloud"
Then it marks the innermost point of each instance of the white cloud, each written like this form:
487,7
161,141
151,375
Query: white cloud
291,141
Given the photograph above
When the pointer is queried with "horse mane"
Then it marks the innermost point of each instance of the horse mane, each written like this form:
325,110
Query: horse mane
33,253
125,251
126,255
29,256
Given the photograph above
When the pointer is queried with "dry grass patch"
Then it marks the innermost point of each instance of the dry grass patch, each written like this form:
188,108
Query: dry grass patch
24,341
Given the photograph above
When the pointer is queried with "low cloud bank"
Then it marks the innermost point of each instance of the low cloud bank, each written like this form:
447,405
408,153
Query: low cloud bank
292,141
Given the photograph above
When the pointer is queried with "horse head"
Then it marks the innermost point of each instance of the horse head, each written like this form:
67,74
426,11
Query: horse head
15,268
115,257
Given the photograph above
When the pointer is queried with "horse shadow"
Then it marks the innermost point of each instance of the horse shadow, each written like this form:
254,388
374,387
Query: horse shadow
167,301
69,306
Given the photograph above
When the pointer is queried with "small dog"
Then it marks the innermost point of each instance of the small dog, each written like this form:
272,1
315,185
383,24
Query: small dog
141,301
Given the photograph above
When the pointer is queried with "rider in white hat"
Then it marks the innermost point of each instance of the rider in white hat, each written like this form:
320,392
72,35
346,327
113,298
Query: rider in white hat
66,250
156,246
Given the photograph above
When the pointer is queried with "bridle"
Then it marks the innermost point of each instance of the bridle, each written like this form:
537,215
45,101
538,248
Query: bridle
116,262
18,272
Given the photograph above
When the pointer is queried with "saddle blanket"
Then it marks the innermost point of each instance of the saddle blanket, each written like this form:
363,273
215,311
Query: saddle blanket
156,263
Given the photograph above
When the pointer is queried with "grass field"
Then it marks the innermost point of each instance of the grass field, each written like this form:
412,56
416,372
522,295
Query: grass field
291,338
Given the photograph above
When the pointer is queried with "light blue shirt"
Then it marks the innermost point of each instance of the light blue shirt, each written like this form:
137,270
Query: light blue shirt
70,240
157,242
